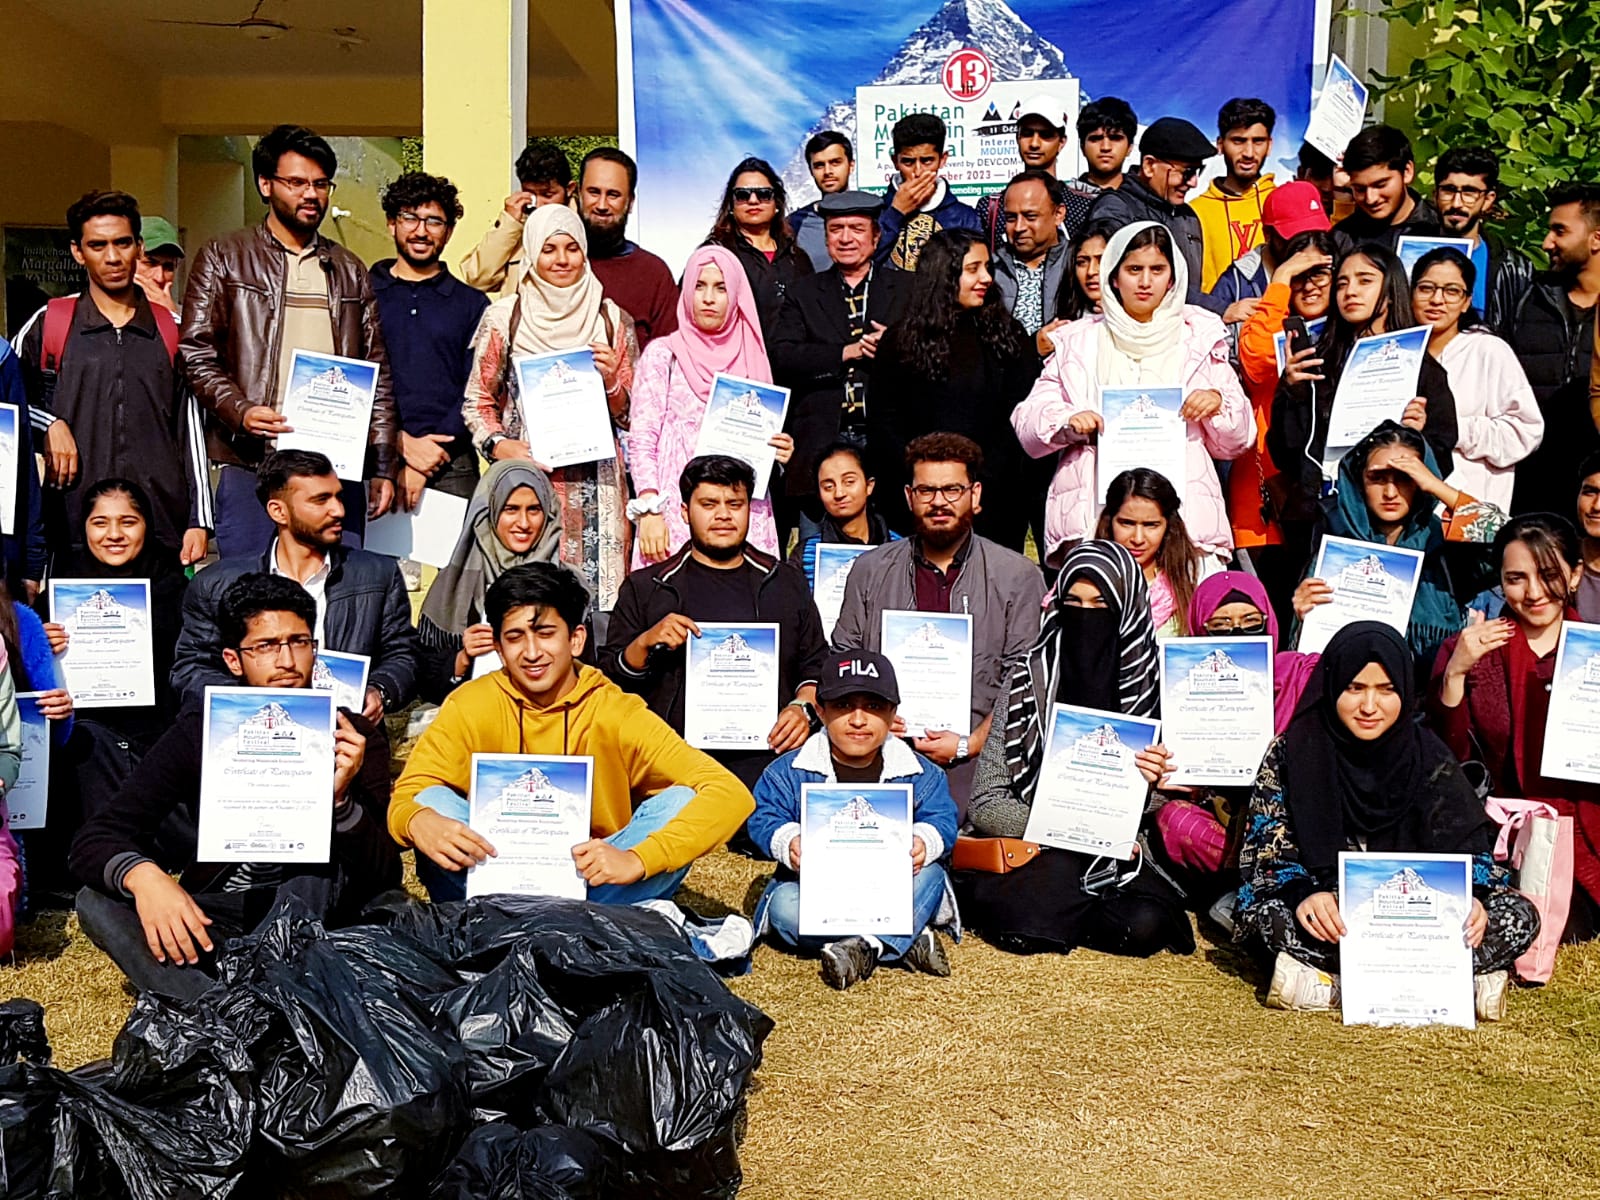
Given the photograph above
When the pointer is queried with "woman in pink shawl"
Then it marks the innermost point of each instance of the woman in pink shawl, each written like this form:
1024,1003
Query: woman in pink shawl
10,766
1197,829
719,332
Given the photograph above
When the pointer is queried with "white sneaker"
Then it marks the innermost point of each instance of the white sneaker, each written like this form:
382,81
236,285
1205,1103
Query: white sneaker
1300,987
1489,994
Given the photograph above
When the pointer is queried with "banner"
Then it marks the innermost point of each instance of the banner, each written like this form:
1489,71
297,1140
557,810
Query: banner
703,83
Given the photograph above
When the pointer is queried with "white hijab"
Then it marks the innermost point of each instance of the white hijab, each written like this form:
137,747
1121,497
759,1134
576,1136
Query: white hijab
1140,352
556,318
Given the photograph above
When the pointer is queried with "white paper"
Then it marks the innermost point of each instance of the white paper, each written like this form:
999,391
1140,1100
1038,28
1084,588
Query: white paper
327,401
109,661
1378,381
1572,729
8,469
1339,111
1216,708
1090,796
486,664
345,675
1143,429
266,776
1370,583
562,399
533,809
426,534
28,800
731,686
932,657
1404,958
855,859
1280,340
1409,249
831,564
741,416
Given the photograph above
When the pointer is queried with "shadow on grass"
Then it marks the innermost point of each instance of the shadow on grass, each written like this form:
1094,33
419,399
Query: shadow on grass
43,937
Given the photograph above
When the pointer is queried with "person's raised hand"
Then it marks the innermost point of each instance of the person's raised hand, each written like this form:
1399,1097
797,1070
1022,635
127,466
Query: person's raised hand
1041,340
783,446
1416,414
912,194
1302,366
478,640
1318,915
1086,423
1311,593
516,203
349,752
1479,637
1154,763
1305,259
265,421
1201,405
56,634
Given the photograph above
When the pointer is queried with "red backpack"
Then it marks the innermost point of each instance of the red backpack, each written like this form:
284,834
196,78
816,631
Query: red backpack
58,324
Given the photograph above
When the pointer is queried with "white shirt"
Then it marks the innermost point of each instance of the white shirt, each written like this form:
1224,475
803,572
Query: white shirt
1498,423
317,586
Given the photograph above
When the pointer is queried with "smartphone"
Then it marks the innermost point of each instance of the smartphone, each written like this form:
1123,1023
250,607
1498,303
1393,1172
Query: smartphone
1299,337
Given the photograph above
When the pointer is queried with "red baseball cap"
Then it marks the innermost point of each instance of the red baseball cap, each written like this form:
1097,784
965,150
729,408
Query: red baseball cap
1293,208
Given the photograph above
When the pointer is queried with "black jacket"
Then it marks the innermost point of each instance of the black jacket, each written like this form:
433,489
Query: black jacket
1134,201
813,330
1510,277
1363,230
368,613
1554,340
655,592
770,281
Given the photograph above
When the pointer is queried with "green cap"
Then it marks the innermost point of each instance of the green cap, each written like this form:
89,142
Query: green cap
159,234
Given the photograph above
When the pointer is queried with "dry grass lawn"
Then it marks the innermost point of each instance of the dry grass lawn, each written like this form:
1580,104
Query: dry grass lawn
1088,1076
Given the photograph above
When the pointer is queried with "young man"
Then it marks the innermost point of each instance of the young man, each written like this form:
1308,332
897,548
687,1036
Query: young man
163,932
544,176
608,182
919,203
1172,153
107,393
1029,265
361,602
1587,598
857,698
1041,136
830,157
429,319
717,577
159,259
25,552
657,805
1466,187
1381,167
1232,208
257,296
945,567
1291,209
1552,330
1106,129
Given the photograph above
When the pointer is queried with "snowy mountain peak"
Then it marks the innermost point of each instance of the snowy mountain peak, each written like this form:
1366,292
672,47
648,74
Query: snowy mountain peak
1016,51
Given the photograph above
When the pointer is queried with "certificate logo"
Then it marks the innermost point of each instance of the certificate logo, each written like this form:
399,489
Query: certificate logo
1366,576
857,821
532,794
1216,676
270,733
1100,750
329,384
733,655
1589,676
1405,896
927,640
322,677
102,611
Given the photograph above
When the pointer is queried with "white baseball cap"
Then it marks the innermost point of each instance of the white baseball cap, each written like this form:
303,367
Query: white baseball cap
1045,106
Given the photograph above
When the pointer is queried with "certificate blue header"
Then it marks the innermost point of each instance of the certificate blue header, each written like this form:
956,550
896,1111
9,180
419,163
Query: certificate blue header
1368,558
566,368
1371,351
308,366
727,392
1134,404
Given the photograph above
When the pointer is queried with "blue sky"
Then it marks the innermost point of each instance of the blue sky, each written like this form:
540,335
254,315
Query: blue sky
1071,725
346,669
308,365
1182,656
530,373
762,641
1363,876
1340,555
772,398
893,802
306,707
67,596
569,775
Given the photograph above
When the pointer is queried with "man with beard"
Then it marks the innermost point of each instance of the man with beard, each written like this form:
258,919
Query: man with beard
830,157
1466,187
254,298
717,577
945,567
636,279
1041,137
1231,209
429,318
361,602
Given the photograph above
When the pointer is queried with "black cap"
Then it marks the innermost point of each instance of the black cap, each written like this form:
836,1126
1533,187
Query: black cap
1175,140
861,671
849,204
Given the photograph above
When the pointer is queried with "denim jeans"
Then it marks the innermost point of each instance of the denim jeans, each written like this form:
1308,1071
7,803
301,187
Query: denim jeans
243,526
648,818
780,908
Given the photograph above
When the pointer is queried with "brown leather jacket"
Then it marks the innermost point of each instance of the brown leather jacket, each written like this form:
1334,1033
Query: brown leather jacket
231,322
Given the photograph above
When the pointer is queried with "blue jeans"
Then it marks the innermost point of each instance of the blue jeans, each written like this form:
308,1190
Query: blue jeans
649,817
243,526
780,904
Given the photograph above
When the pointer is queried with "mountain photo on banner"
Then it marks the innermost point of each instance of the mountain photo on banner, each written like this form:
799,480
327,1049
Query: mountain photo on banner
715,80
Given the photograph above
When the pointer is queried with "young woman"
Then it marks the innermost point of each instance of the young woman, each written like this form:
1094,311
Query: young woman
1499,424
31,664
1146,336
1491,691
1080,287
1141,515
558,304
514,517
1587,601
1355,771
751,223
1096,648
958,362
10,852
718,332
848,517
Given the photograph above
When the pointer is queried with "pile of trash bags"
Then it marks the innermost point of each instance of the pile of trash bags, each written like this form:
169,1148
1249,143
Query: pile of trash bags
508,1046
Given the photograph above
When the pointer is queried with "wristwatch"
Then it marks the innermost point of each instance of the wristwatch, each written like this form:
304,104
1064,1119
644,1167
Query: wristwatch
490,442
813,718
963,744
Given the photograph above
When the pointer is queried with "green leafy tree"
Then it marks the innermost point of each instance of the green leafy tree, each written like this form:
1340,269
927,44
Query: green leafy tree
1517,76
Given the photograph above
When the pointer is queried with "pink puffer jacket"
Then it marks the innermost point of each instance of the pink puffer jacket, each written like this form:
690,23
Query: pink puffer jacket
1069,384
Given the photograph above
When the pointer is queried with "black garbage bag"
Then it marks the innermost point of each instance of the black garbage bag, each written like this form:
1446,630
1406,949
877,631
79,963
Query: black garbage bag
27,1100
506,1163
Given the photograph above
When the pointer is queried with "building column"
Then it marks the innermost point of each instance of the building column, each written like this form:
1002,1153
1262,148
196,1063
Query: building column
150,174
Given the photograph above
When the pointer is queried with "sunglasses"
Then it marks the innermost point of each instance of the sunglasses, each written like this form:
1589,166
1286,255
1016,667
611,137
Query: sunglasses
745,195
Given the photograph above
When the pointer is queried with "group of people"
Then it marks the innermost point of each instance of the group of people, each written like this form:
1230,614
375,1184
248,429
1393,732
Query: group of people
945,364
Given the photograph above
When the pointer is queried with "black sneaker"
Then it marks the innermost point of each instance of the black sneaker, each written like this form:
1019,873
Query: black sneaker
848,961
927,954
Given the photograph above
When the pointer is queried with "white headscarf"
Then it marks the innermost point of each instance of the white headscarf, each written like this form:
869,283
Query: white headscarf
556,318
1149,344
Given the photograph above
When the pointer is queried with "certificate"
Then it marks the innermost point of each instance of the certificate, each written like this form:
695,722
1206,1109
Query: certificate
1572,730
1216,708
426,534
28,799
730,699
533,809
1090,796
1339,111
1378,381
8,469
562,399
932,657
741,416
108,662
1370,582
1143,429
486,664
345,675
327,401
1404,958
855,842
830,571
1280,342
1409,249
266,776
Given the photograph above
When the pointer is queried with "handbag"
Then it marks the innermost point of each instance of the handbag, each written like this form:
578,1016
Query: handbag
996,855
1538,842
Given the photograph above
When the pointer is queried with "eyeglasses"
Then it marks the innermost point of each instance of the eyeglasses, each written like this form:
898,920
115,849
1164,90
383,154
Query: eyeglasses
411,220
323,187
1468,193
745,195
952,492
296,646
1188,172
1315,277
1450,291
1222,626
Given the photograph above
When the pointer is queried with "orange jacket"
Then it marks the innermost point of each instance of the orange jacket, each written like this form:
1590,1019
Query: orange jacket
1258,360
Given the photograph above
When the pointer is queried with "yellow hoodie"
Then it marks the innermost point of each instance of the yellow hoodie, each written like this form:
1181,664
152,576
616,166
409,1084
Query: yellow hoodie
636,754
1230,225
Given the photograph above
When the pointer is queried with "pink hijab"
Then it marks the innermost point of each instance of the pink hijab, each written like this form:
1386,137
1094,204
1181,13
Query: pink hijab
1291,670
736,348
